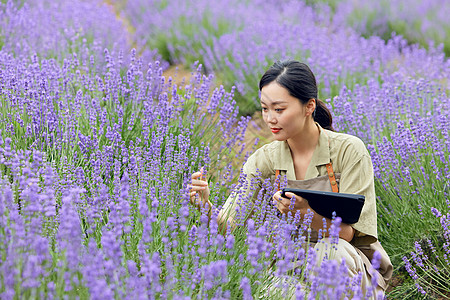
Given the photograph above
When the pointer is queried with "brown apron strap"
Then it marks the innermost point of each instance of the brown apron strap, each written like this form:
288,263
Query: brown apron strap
277,175
334,186
332,178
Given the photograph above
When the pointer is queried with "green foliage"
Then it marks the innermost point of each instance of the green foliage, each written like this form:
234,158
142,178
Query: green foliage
186,35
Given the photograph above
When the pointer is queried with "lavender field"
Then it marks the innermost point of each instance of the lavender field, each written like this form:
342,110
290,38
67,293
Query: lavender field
98,142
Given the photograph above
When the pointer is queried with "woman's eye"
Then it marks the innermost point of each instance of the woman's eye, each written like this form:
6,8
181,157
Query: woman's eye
278,110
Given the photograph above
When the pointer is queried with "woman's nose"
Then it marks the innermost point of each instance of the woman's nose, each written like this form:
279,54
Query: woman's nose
271,118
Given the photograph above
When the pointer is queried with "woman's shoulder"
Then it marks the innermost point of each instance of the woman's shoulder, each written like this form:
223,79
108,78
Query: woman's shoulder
344,142
265,157
270,149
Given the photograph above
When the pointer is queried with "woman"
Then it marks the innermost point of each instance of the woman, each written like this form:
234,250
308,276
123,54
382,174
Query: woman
308,153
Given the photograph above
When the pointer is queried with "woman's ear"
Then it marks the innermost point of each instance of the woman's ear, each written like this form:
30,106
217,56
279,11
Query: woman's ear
311,107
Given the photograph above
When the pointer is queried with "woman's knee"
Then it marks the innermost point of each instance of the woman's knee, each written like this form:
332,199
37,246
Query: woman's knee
343,250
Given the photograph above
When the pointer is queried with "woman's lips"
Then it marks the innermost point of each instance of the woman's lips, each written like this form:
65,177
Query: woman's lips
275,130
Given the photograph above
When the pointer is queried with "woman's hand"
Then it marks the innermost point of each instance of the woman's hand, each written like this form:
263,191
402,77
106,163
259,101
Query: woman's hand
301,205
285,205
199,191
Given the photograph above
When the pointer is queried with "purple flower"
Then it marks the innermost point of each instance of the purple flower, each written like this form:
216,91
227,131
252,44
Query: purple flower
335,229
436,212
246,288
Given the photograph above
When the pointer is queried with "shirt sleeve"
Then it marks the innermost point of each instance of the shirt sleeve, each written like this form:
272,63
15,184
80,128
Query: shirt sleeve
241,202
357,177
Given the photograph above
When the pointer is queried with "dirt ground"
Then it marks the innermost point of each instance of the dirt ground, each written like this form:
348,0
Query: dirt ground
178,73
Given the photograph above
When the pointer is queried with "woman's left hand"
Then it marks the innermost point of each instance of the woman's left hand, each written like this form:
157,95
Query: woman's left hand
285,205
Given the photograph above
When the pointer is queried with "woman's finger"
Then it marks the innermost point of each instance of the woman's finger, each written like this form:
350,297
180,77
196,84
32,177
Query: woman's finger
197,178
289,195
280,199
196,175
199,174
285,202
275,197
197,188
199,182
282,208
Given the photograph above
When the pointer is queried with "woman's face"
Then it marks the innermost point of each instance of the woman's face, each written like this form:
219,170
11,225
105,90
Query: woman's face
285,115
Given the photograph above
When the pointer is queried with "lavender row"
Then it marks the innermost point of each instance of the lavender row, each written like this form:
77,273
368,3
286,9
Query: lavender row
417,21
239,44
89,122
406,127
57,29
56,244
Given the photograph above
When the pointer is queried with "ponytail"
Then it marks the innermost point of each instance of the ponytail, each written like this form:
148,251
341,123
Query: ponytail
322,115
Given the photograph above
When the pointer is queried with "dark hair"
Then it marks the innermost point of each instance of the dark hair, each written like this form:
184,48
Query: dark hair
300,81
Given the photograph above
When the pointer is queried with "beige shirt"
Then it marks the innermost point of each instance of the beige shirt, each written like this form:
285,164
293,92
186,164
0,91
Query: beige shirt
348,156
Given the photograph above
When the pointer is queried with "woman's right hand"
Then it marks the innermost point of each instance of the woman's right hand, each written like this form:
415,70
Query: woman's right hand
199,191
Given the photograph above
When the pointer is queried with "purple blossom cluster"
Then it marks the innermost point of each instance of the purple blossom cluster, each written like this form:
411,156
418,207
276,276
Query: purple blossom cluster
419,103
85,157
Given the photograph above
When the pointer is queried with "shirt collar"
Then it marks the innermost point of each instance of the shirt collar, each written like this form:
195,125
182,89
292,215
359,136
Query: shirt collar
321,156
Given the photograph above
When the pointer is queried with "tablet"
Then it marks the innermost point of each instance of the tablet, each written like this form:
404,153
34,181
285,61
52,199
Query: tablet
347,206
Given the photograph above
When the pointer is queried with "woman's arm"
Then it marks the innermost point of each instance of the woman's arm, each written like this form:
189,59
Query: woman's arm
346,231
357,178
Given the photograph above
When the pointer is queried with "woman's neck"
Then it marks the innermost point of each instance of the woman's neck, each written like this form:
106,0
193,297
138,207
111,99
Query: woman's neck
305,142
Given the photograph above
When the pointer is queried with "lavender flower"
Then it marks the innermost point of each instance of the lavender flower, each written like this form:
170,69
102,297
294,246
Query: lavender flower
246,288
